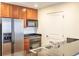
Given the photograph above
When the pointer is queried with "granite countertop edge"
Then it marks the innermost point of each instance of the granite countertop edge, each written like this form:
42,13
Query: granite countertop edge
32,34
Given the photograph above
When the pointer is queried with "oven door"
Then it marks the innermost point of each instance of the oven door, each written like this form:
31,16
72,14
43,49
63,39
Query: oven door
35,45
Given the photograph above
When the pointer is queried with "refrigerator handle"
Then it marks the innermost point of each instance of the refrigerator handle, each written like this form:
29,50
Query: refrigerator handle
13,31
13,37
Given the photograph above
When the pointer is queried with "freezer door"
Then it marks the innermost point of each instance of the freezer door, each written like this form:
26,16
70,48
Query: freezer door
6,28
18,37
6,25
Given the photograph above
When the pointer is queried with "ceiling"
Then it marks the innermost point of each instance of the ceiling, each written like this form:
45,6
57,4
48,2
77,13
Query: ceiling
36,5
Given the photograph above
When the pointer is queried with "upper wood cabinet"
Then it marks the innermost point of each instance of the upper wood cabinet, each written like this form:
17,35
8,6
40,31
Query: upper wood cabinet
18,12
5,10
22,14
15,11
32,14
0,9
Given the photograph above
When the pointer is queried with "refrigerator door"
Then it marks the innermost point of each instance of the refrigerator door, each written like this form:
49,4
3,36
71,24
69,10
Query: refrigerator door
0,37
6,28
6,25
18,37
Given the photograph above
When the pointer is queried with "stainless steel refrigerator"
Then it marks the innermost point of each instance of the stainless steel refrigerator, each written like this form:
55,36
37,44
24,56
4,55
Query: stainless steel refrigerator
11,37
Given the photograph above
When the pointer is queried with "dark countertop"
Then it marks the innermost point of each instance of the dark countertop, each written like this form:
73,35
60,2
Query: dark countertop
69,40
32,34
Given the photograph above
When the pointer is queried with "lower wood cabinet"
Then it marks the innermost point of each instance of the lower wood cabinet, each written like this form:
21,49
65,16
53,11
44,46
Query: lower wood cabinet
26,44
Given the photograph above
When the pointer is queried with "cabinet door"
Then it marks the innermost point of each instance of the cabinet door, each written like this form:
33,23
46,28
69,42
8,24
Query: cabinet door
26,44
0,9
29,13
22,14
32,14
15,11
5,10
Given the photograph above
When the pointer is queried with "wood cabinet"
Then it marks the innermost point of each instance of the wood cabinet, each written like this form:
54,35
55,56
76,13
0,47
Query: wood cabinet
5,10
26,44
18,12
0,9
22,14
9,11
15,11
32,14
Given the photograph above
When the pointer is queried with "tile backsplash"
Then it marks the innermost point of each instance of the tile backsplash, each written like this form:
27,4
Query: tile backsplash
29,30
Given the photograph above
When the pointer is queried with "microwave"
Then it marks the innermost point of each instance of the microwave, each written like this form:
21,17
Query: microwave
32,23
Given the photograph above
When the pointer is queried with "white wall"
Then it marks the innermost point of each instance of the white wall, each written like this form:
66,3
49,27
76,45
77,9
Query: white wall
71,20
